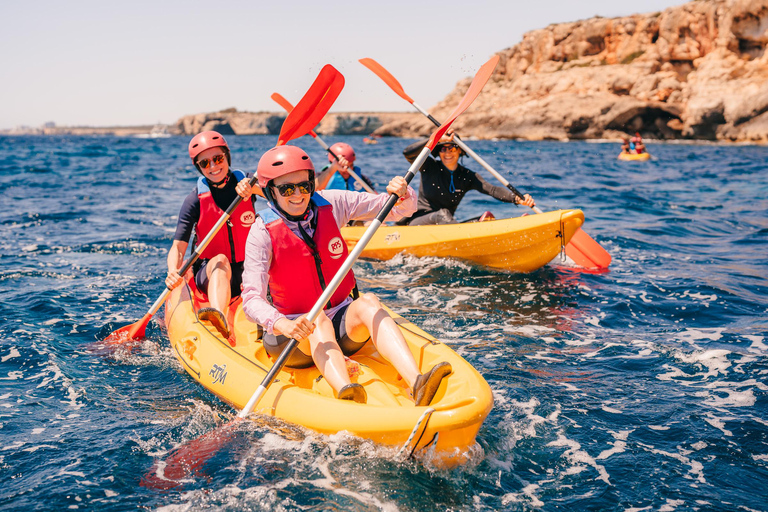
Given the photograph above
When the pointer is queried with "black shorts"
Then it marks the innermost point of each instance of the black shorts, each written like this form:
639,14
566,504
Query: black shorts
274,344
201,277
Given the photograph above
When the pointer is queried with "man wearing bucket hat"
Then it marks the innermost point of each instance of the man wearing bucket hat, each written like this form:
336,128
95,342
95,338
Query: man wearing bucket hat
218,272
294,248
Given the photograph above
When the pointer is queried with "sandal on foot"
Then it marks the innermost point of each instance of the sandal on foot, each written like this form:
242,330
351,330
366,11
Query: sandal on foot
427,383
354,392
216,318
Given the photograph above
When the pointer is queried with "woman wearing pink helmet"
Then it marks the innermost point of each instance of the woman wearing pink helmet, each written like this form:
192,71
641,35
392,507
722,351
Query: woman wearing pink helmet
336,176
294,248
218,272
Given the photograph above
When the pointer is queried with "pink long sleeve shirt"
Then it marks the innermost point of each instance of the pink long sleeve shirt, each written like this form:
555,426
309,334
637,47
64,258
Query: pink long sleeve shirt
346,205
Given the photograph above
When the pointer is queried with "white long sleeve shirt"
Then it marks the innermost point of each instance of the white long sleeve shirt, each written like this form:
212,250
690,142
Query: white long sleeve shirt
346,206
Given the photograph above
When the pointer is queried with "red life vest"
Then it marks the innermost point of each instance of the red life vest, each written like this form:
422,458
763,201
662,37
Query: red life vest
294,281
231,241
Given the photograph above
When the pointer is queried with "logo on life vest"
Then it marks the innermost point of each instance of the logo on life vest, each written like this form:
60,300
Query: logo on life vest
336,247
247,218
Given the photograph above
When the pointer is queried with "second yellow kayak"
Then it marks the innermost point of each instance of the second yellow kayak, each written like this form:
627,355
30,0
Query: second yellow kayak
520,244
634,157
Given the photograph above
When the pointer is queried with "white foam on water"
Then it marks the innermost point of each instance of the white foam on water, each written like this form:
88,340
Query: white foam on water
658,427
690,335
671,505
579,458
12,353
619,445
719,424
526,495
32,449
700,445
611,410
696,471
758,346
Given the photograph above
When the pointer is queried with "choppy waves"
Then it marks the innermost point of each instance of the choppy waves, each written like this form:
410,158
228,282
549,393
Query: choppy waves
641,388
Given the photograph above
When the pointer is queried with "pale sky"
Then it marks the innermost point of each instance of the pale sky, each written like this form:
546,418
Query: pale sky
104,62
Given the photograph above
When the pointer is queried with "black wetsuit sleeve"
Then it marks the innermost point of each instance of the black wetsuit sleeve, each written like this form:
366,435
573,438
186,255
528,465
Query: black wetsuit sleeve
495,191
188,216
412,152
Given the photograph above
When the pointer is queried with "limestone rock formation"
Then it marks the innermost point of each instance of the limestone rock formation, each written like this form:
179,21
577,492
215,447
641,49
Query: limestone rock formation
230,121
699,70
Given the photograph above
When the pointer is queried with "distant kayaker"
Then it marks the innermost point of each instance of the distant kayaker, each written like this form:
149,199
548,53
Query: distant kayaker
625,145
444,183
637,142
336,176
294,249
218,272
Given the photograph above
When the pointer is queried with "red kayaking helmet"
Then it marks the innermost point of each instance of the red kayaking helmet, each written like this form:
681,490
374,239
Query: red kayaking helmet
342,149
282,160
207,140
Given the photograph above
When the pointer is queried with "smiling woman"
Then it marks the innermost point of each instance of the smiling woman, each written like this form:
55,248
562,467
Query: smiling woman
219,271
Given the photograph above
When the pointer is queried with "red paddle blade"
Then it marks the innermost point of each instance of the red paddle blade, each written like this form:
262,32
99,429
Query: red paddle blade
385,75
188,459
130,332
586,252
481,77
313,106
280,100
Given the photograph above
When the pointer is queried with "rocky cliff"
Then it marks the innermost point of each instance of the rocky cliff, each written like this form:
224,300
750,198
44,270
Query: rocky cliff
699,70
231,121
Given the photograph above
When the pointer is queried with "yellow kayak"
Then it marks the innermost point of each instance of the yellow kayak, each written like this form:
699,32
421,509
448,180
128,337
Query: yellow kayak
233,369
634,157
520,244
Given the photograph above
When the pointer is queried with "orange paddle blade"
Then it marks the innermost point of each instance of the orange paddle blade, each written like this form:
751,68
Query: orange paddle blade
586,252
313,106
481,77
385,75
280,100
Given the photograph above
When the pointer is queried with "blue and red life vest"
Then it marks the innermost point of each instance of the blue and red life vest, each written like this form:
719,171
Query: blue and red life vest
229,242
299,273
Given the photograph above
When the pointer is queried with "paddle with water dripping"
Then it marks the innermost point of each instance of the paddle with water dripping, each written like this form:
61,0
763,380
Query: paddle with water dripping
301,120
280,100
298,124
478,82
582,248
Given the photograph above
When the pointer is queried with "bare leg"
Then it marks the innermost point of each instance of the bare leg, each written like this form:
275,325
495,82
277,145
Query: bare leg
366,315
219,276
327,354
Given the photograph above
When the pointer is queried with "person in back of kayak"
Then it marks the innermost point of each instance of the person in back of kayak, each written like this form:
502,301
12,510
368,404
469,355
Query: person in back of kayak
218,272
336,176
637,143
294,249
444,183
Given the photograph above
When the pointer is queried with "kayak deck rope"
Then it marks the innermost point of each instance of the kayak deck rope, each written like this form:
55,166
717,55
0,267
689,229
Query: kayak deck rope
423,419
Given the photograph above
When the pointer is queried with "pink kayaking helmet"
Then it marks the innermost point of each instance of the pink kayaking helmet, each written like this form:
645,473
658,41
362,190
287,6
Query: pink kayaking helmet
207,140
342,149
282,160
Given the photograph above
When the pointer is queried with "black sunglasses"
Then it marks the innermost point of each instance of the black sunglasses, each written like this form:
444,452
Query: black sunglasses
446,147
288,189
206,162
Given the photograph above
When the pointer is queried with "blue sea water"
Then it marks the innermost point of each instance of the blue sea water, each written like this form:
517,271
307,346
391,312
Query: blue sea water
641,388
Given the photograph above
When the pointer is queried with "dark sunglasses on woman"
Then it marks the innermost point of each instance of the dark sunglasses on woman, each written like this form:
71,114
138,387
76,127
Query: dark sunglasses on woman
288,189
206,162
